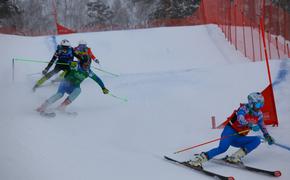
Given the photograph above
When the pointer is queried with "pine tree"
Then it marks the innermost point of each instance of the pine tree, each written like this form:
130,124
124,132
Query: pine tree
99,12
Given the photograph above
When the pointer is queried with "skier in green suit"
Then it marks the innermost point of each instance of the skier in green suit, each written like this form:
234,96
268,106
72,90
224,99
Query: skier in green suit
78,72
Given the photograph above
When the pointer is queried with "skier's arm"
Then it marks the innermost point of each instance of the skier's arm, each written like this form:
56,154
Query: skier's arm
54,57
93,57
241,116
262,126
93,76
261,123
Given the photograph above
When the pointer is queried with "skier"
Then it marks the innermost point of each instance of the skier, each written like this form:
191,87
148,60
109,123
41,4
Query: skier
248,117
64,55
71,84
83,49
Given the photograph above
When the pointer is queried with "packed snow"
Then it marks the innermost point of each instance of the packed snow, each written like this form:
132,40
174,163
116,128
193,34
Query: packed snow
174,78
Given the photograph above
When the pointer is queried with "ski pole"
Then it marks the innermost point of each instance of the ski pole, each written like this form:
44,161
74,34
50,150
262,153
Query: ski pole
33,74
277,144
13,69
220,138
282,146
117,97
116,75
36,61
30,60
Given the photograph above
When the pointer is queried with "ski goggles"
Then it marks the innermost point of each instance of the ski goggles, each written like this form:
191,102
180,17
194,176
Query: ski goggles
258,105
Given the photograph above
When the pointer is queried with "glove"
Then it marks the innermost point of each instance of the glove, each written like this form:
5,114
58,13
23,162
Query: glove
97,61
254,127
105,90
44,72
269,139
73,64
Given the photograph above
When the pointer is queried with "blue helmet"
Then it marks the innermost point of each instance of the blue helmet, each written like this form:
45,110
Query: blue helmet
256,100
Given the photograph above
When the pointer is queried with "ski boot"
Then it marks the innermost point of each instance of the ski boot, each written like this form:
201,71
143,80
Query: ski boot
39,83
43,107
198,160
236,158
63,105
34,87
62,108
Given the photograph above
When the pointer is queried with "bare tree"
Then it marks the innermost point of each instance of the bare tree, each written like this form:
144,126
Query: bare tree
8,9
37,15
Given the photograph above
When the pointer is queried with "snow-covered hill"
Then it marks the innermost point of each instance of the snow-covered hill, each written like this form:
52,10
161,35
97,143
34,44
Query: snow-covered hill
174,78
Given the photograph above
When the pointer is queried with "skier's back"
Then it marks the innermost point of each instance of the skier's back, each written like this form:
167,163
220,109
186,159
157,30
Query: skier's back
63,56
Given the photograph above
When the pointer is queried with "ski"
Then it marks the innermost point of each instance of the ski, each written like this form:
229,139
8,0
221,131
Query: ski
200,169
68,113
48,114
248,168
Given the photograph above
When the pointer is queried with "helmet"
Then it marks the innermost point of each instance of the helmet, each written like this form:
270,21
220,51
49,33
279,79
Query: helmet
256,100
65,42
82,42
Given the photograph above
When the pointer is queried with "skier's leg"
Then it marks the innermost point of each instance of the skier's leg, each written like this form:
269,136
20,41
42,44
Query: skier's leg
45,77
55,97
60,77
59,94
224,143
237,156
248,143
73,94
63,74
50,101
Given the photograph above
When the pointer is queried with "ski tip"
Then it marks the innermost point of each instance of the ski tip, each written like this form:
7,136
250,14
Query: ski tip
277,173
231,178
165,157
170,159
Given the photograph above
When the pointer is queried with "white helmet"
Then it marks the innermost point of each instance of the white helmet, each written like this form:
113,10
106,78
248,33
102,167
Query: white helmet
82,42
65,42
256,100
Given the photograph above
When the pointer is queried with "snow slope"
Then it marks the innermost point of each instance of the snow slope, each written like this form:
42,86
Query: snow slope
174,78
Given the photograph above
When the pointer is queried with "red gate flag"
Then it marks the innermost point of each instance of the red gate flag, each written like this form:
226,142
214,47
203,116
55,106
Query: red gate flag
63,30
269,109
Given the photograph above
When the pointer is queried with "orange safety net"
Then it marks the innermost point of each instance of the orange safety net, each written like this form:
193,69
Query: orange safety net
239,20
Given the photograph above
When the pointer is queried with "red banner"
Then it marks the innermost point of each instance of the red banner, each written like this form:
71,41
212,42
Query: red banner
269,109
63,30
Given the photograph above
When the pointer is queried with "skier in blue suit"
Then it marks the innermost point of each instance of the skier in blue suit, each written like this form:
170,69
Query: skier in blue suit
248,117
